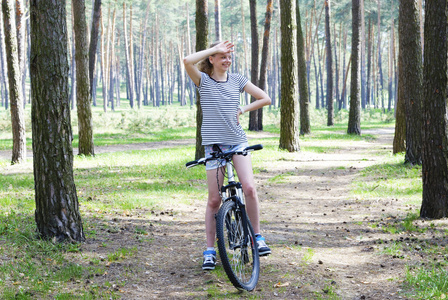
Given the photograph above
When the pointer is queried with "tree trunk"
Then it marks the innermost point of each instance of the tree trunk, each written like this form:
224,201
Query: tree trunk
85,126
246,64
264,57
342,100
316,75
72,68
57,211
103,65
131,57
391,65
96,16
410,78
380,68
110,63
253,115
162,79
181,73
141,56
4,66
435,140
289,109
201,23
21,44
369,65
421,18
217,20
363,55
336,63
129,80
354,121
302,75
15,85
157,88
330,107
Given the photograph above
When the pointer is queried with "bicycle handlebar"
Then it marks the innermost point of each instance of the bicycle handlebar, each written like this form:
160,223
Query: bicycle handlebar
223,155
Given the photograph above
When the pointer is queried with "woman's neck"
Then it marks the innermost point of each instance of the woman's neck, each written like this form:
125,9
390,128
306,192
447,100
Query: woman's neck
219,76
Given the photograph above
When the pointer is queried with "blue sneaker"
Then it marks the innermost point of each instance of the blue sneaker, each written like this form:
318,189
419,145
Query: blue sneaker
209,260
263,249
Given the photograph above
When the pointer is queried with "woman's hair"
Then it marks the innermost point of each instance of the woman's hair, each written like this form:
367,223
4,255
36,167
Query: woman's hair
205,65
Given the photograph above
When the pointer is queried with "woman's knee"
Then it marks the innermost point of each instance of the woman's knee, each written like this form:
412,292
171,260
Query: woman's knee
250,191
214,202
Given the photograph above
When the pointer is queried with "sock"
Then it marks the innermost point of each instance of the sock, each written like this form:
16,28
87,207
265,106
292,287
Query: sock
210,248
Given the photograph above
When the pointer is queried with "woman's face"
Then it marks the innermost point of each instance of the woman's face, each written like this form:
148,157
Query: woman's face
221,61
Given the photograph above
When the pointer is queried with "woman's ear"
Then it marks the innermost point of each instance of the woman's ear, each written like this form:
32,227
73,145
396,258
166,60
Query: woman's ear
210,59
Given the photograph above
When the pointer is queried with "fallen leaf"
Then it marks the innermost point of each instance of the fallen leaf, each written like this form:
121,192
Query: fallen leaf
279,284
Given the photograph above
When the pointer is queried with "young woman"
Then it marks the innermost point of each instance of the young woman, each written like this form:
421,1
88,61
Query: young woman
220,102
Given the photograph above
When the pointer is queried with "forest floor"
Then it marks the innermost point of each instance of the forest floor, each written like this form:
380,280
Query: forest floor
326,243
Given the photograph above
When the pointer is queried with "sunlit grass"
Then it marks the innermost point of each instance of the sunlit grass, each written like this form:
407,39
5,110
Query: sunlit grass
391,179
427,282
125,181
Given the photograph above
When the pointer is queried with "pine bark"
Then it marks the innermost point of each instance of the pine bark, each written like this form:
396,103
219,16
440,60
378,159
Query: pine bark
111,62
129,80
391,65
85,125
201,23
354,121
94,42
253,115
329,61
141,57
15,84
245,64
4,65
369,65
363,55
289,109
57,209
21,43
264,57
435,140
302,76
410,78
380,86
217,20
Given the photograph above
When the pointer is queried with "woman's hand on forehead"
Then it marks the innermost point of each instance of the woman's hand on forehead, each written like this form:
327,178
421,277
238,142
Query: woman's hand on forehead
225,47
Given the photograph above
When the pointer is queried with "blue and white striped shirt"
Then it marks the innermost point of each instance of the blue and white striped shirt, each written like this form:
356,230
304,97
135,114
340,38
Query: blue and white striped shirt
219,102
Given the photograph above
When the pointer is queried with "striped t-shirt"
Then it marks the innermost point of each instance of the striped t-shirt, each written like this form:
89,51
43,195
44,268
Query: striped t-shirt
219,103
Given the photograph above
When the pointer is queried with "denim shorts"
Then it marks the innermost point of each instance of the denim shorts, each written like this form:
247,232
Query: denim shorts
214,164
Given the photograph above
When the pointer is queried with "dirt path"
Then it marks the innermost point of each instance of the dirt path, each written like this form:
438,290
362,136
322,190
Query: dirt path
323,246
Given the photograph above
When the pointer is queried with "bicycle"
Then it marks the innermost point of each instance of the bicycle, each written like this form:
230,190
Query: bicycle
235,236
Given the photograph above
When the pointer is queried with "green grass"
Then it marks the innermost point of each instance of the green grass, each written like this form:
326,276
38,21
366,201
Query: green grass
427,283
131,182
391,179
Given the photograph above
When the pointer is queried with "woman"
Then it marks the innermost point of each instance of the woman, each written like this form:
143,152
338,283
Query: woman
220,98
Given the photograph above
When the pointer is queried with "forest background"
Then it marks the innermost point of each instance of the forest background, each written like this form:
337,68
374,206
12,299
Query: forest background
139,83
155,54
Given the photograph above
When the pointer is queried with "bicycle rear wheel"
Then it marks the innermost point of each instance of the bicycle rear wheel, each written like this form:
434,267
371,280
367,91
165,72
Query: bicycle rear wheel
239,253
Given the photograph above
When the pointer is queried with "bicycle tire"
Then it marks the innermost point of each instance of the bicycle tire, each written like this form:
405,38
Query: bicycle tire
241,262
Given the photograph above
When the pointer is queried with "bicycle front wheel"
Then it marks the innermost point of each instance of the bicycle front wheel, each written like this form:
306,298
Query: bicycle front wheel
238,251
